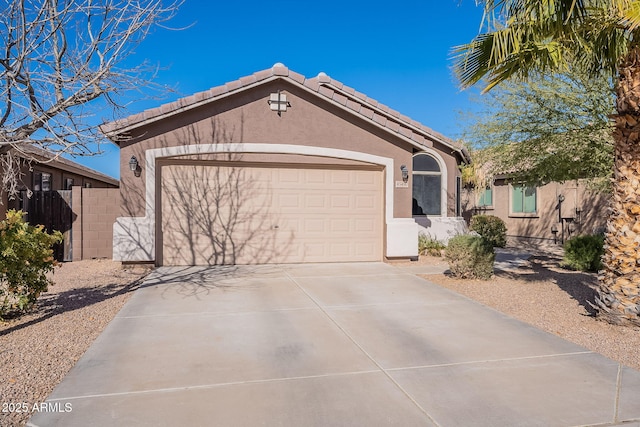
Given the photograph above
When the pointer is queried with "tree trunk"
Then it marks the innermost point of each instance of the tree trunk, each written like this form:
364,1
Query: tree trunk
618,298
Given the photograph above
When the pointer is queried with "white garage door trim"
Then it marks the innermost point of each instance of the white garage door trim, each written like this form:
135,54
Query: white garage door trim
134,237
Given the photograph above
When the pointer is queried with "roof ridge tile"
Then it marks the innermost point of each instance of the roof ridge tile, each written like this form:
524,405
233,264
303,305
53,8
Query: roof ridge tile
348,90
297,77
328,92
367,112
323,78
312,84
336,83
279,69
371,102
233,85
263,74
354,105
247,80
339,98
322,84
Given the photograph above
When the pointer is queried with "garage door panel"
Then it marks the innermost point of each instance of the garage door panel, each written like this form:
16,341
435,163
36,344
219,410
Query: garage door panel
364,179
364,249
340,249
365,201
315,177
364,225
340,225
222,215
340,201
287,202
314,226
315,201
341,177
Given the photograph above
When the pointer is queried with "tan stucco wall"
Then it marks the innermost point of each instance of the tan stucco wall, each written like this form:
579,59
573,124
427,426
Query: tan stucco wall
95,210
246,118
592,207
57,183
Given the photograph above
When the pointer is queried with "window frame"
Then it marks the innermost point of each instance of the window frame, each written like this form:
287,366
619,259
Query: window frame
524,214
441,174
38,180
67,183
481,196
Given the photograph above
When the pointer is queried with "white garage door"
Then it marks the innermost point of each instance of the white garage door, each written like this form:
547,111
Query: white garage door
215,215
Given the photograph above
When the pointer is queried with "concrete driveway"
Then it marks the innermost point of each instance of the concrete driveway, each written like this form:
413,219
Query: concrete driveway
365,344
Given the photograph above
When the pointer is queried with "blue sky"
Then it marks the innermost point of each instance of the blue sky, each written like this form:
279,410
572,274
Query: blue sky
395,52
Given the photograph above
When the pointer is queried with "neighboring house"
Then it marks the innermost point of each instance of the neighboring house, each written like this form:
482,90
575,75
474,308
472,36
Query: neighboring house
278,168
549,213
47,172
63,195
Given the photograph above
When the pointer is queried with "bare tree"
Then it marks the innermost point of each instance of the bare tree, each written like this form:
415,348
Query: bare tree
62,62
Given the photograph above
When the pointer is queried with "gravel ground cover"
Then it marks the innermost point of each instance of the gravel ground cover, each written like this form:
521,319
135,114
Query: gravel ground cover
38,349
550,298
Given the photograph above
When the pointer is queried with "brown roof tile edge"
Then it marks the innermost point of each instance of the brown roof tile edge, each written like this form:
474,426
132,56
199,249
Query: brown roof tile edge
198,98
63,163
324,85
396,122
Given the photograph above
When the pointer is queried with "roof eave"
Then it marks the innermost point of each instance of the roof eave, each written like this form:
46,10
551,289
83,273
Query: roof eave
118,130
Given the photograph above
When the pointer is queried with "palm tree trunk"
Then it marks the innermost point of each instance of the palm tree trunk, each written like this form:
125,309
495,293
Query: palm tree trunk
618,298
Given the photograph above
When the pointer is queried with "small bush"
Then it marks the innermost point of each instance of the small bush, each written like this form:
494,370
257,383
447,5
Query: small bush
470,257
427,245
25,258
491,228
584,253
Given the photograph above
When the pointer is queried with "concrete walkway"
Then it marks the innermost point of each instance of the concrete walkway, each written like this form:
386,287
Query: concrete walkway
330,345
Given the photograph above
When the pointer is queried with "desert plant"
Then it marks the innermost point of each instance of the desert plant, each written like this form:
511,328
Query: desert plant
470,257
584,253
427,245
25,259
491,228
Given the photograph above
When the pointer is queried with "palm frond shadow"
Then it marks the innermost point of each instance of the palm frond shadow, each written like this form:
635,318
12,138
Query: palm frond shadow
580,286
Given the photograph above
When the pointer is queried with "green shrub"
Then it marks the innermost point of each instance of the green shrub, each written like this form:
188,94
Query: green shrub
491,228
25,258
427,245
470,257
584,253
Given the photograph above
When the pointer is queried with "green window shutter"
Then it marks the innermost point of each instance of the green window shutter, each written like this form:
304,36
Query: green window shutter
530,200
523,199
486,198
517,199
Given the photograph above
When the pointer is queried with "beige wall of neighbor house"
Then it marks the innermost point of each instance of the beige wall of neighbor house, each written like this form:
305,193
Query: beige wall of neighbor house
60,180
326,126
569,207
95,211
42,171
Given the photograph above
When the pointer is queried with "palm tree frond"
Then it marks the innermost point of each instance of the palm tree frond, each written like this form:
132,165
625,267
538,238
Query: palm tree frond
630,16
524,36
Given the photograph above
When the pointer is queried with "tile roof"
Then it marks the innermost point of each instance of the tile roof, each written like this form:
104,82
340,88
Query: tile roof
57,161
323,85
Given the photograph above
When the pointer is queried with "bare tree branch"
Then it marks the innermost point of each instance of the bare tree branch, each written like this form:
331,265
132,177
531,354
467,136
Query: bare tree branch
66,60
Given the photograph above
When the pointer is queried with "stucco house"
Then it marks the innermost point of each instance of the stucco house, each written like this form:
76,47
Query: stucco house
41,170
279,168
543,214
63,195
